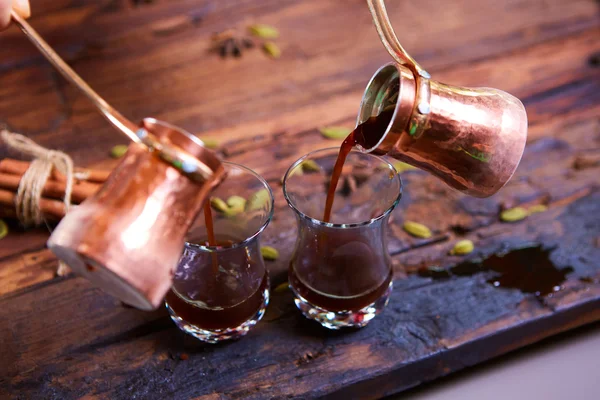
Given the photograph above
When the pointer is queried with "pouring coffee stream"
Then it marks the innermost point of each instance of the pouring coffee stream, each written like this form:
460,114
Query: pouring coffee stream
360,136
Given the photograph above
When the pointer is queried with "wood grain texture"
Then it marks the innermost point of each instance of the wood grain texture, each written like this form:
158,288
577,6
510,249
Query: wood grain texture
61,338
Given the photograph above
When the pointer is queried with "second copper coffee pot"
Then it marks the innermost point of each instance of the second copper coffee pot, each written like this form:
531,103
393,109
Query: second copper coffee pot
472,139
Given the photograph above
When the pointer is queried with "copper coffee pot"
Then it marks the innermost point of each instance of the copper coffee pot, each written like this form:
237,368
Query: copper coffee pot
128,237
472,139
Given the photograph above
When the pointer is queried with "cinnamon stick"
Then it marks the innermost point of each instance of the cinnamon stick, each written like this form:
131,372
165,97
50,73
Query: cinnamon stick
17,167
81,190
51,209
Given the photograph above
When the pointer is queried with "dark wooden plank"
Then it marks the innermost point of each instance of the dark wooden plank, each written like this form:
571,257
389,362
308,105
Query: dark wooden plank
286,355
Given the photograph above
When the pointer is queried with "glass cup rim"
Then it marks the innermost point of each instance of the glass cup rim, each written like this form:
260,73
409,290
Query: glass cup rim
315,221
250,238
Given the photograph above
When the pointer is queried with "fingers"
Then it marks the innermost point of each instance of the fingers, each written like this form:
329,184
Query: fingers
5,7
21,7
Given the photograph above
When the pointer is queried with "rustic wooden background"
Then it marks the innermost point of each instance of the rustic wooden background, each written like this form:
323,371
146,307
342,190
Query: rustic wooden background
60,338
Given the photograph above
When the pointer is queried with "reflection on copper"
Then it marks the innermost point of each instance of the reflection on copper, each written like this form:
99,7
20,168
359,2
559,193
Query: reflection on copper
472,139
132,230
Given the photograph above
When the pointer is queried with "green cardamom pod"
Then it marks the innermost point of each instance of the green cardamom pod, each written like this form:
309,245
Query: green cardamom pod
236,204
118,151
335,132
3,229
513,214
462,247
402,166
269,253
211,143
264,31
219,205
272,49
417,230
537,209
259,200
281,288
310,166
296,171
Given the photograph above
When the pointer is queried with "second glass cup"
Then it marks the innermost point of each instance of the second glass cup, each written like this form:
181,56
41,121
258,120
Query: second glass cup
341,272
219,292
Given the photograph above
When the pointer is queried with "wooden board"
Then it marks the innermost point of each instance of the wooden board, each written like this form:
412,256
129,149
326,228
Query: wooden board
60,338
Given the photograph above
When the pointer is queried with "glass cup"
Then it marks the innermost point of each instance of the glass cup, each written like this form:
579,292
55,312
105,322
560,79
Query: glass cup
220,292
340,271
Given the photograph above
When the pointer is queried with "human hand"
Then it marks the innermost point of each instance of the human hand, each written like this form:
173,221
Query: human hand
20,6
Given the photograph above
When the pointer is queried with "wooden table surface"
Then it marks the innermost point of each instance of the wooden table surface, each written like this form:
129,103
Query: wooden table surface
60,338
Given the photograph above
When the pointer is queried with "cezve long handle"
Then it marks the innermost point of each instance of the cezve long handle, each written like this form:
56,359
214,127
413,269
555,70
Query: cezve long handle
113,116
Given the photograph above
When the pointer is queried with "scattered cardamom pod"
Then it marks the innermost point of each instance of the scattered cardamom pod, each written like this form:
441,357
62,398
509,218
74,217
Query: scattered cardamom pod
281,288
538,208
310,166
258,200
211,143
264,31
295,171
462,247
335,132
513,214
417,230
269,253
3,229
272,49
219,205
402,166
118,151
236,204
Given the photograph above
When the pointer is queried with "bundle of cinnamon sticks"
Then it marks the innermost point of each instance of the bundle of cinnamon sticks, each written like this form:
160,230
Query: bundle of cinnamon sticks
51,203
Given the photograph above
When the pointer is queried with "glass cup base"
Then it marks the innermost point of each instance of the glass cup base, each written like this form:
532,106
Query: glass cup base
342,319
220,335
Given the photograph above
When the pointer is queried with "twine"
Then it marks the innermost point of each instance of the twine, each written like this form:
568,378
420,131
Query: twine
32,183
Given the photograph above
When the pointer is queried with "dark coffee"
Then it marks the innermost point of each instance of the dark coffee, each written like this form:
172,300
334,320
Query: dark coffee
349,270
342,272
217,319
219,298
335,303
367,135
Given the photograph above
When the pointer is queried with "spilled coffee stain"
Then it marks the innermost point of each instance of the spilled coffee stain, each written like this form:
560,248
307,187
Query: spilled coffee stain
527,269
